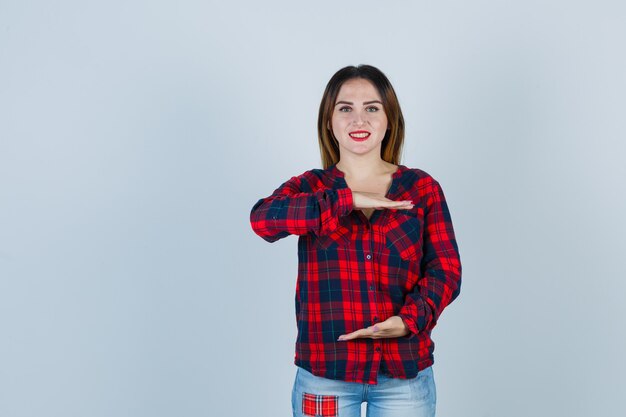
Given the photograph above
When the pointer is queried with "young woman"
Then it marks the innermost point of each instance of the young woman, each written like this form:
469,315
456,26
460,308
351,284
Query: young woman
378,260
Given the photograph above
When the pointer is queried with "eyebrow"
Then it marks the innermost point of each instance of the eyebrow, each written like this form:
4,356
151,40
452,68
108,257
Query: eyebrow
364,103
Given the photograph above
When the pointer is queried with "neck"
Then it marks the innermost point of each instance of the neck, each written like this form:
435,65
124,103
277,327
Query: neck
362,166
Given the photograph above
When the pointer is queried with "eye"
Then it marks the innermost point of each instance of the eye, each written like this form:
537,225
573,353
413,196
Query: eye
372,109
345,109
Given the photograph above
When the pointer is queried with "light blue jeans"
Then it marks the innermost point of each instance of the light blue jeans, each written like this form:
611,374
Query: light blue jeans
391,397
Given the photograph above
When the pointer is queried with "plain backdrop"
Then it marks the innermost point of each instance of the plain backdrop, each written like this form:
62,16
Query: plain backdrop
135,136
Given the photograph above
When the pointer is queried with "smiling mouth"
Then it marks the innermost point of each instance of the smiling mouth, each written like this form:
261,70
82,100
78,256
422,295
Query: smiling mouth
359,135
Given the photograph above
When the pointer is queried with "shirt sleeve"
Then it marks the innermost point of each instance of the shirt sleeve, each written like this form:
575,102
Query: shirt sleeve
440,281
289,210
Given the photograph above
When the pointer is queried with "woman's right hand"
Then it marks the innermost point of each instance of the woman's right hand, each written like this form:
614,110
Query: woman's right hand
365,200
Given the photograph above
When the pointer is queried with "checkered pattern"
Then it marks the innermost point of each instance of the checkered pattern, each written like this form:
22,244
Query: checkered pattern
354,272
319,405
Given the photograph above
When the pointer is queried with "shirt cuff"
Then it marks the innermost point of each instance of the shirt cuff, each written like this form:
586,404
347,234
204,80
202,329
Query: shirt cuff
411,324
345,204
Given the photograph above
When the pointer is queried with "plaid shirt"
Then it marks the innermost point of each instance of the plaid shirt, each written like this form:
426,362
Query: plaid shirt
354,272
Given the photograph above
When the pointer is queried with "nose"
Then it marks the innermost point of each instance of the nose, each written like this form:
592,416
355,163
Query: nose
359,118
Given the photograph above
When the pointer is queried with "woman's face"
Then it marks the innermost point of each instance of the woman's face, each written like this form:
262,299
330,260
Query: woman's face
359,122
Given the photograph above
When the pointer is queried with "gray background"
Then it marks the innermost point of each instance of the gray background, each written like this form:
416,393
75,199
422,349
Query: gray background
135,136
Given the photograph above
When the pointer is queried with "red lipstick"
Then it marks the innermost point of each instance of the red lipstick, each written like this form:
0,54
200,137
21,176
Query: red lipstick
359,135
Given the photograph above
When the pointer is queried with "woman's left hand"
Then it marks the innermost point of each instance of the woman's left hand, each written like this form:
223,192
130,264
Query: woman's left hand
392,327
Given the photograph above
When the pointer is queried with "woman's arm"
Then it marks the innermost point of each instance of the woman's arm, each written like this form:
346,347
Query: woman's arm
289,210
295,209
440,281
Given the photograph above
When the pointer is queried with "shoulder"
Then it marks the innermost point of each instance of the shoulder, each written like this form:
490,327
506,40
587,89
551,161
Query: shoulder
420,185
415,176
314,175
314,179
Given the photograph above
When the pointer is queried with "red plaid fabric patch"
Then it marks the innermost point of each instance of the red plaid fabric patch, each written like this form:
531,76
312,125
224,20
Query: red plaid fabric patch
319,405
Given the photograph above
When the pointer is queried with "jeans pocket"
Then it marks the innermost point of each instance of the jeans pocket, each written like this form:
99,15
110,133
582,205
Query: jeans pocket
423,386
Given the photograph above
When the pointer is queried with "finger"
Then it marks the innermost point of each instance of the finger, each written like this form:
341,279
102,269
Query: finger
350,336
400,208
400,204
356,334
406,203
375,331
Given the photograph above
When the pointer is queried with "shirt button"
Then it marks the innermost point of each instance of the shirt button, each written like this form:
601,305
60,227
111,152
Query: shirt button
368,256
378,349
375,319
372,287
